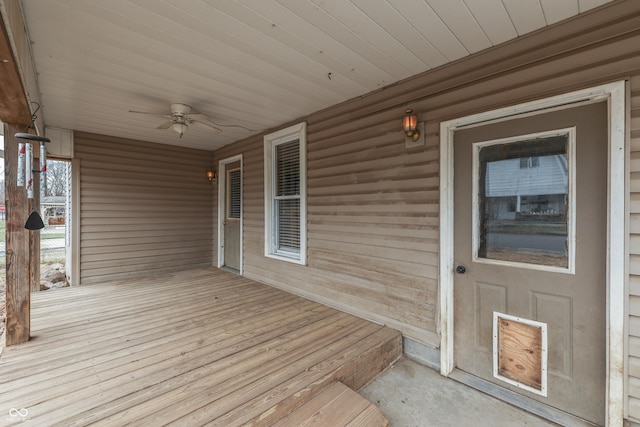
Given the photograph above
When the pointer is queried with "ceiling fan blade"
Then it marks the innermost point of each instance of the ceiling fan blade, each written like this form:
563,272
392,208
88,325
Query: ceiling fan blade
203,119
165,125
150,113
197,116
206,125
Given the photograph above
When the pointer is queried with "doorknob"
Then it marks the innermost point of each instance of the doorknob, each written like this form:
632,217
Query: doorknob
461,269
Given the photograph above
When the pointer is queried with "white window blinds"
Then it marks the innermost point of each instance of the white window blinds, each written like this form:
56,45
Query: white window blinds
233,192
287,197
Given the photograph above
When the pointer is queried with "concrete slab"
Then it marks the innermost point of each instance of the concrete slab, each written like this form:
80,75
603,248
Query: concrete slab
413,395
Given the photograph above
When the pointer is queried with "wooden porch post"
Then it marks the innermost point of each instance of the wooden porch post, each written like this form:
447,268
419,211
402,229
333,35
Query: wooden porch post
17,245
16,90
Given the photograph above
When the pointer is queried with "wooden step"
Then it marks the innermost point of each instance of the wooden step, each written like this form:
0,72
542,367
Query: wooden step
336,406
356,365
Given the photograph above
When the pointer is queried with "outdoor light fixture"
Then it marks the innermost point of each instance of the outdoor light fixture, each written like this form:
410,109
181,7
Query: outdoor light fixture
410,125
211,174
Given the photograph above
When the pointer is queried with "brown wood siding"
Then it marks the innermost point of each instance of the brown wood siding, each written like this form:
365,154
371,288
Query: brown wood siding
633,365
373,206
372,245
145,208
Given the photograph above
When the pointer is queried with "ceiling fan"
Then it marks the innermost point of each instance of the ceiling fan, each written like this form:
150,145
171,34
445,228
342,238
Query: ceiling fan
181,117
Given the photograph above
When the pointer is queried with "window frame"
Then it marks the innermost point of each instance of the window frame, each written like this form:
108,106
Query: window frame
271,141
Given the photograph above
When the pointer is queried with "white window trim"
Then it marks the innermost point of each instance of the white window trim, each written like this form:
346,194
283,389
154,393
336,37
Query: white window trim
299,132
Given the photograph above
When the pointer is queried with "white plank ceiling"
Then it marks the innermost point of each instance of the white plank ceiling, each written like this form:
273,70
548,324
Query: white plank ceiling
250,64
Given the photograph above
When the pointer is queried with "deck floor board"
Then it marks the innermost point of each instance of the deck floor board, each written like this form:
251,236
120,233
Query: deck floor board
192,348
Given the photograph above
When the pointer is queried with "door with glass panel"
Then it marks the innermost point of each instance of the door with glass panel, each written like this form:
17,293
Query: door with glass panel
232,215
530,244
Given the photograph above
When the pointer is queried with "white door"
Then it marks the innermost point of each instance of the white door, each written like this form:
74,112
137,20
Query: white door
230,215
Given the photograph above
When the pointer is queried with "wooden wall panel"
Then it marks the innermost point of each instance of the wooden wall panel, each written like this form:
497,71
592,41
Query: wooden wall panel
145,208
373,206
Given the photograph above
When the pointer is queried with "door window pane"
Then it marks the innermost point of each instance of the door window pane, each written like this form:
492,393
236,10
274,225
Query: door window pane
523,201
234,194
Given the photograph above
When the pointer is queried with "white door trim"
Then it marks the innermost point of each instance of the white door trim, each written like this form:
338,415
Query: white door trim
222,194
616,229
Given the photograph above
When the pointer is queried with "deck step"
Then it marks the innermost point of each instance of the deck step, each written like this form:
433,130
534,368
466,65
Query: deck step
353,367
336,406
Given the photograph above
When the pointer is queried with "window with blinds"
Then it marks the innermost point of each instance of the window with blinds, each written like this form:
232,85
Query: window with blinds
285,172
287,197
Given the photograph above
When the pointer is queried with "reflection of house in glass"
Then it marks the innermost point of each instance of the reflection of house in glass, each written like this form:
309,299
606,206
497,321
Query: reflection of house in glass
53,209
524,199
527,188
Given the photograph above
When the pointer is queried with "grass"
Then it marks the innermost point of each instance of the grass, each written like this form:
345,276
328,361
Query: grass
44,236
57,256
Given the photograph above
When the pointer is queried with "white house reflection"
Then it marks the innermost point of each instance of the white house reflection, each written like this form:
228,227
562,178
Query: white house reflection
523,203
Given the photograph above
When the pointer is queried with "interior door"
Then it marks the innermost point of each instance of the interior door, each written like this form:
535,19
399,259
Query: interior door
233,215
530,244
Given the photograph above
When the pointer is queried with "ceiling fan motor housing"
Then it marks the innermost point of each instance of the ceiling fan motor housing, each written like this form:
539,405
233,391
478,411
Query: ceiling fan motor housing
180,109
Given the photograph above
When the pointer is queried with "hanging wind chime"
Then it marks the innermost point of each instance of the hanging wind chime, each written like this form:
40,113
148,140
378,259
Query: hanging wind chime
26,171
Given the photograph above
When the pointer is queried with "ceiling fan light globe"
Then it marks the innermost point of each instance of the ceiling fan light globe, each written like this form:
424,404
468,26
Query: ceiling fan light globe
179,128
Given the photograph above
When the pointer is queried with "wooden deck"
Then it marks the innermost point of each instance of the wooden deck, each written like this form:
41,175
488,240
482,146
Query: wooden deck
191,348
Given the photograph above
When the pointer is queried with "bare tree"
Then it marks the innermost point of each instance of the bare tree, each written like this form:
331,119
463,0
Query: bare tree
56,171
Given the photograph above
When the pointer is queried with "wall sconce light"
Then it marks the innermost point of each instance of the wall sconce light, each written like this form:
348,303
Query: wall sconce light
211,174
410,125
413,131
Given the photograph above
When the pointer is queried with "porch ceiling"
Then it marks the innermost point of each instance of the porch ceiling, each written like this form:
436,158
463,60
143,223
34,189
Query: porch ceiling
250,63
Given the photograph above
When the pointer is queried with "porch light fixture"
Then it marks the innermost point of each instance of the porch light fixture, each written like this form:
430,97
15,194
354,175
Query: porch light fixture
410,125
211,174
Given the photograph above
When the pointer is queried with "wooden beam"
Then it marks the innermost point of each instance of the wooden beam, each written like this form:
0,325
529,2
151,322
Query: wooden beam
13,102
18,295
